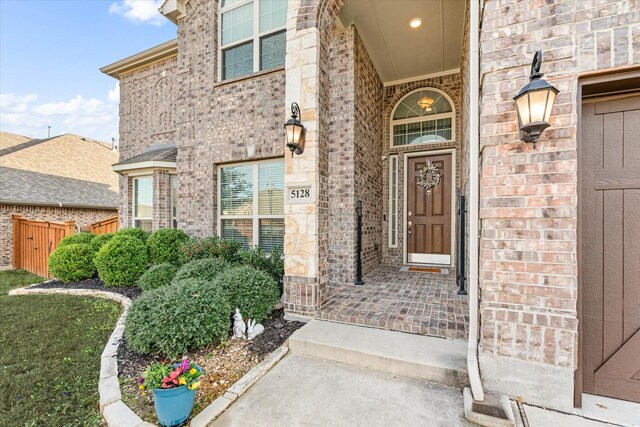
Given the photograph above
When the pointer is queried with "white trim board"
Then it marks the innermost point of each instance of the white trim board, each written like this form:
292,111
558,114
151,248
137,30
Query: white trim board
405,255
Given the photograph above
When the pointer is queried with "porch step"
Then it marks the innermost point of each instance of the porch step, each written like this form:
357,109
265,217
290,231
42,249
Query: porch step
433,359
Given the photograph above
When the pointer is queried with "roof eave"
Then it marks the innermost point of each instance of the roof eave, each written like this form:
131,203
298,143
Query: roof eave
149,56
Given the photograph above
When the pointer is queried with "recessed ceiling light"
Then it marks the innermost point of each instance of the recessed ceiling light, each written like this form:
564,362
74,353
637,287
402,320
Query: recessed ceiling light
415,22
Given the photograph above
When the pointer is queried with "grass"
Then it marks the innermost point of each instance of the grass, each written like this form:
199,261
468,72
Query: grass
50,347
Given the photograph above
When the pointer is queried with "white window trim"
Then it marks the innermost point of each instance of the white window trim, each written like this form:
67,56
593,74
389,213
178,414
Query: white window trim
393,194
171,206
257,35
135,218
451,115
255,216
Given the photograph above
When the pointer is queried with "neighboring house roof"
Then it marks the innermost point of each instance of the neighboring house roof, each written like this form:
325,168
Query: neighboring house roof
66,170
153,158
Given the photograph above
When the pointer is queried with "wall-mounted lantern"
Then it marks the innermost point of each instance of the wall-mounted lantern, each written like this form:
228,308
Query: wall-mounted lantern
534,103
295,131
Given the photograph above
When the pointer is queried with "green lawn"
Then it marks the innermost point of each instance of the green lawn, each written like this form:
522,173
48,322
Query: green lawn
50,347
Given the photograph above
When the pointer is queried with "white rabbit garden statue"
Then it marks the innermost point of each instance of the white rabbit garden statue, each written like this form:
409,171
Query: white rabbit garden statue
239,327
253,329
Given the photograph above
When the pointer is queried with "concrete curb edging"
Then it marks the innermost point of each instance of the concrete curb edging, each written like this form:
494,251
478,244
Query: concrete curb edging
115,412
218,406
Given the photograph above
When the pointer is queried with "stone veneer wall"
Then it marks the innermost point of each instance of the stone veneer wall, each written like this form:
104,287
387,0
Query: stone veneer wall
83,218
451,85
355,156
528,260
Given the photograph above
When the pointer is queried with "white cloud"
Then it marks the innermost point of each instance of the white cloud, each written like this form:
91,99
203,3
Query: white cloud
114,94
139,11
14,103
93,118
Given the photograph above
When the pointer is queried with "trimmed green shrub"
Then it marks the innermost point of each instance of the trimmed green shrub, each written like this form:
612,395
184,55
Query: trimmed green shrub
272,264
100,240
121,261
157,276
209,248
165,245
72,262
138,233
205,269
253,291
170,320
77,239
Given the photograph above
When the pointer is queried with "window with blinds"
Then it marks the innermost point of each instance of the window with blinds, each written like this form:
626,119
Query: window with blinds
251,204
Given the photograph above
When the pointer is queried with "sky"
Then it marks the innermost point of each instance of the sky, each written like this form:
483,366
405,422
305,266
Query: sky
50,55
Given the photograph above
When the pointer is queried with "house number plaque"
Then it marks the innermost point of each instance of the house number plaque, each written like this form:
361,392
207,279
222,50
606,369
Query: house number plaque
300,194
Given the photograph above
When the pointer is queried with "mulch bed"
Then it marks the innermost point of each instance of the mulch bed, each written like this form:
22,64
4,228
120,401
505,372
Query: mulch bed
95,284
223,363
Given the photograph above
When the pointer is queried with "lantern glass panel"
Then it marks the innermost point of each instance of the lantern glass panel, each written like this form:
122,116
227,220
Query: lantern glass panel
550,102
293,134
538,104
523,109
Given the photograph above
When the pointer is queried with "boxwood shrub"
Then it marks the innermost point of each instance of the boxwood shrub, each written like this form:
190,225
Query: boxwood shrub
165,245
121,261
210,247
157,276
75,239
206,269
72,262
138,233
272,264
100,240
251,290
170,320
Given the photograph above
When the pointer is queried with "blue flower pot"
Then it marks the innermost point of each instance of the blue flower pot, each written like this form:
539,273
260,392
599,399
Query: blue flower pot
174,405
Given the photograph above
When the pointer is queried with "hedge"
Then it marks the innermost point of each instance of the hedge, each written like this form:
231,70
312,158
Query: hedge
205,269
121,261
165,245
157,276
72,262
75,239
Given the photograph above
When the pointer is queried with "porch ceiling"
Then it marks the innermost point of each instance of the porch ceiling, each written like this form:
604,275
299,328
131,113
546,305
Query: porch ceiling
400,52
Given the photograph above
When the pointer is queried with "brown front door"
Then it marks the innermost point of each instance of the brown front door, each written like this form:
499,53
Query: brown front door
610,247
428,216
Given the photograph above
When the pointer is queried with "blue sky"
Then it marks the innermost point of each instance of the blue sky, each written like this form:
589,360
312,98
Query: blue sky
50,53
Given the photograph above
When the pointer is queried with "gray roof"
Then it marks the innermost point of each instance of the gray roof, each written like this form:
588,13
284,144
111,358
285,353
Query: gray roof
159,155
66,169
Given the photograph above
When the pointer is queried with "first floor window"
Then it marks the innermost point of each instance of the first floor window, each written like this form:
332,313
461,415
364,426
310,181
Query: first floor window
143,202
174,199
251,204
252,35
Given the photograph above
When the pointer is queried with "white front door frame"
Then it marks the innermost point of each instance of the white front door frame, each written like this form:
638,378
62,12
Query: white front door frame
435,259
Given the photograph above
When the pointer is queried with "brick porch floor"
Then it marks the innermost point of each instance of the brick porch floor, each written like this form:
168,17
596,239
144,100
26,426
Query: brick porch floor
416,302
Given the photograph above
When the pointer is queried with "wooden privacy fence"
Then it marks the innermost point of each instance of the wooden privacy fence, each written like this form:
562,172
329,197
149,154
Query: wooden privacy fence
109,225
33,242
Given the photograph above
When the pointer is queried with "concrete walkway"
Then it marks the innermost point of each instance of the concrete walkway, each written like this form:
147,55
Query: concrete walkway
307,391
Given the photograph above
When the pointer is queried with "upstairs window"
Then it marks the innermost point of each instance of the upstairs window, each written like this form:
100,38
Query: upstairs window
251,204
423,116
252,36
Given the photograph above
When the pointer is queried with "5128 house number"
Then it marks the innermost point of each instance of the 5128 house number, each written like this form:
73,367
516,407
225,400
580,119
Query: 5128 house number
300,194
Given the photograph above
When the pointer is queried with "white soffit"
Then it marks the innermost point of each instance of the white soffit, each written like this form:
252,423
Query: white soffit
400,52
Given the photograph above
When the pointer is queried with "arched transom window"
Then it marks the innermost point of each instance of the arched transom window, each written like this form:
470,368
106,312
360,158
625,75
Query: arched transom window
423,116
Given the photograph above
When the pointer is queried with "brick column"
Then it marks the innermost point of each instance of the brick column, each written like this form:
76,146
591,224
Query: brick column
161,200
126,199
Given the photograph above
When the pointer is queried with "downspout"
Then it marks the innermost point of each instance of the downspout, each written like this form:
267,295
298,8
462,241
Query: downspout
474,191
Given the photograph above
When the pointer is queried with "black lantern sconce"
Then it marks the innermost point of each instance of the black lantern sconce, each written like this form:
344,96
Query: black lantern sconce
534,103
295,131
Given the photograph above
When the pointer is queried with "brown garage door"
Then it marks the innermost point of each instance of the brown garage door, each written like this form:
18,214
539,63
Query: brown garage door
610,246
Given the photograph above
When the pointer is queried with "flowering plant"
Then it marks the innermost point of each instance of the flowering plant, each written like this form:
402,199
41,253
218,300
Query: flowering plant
167,375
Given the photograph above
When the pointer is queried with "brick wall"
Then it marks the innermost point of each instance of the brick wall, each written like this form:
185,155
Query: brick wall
83,218
528,265
147,118
355,156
